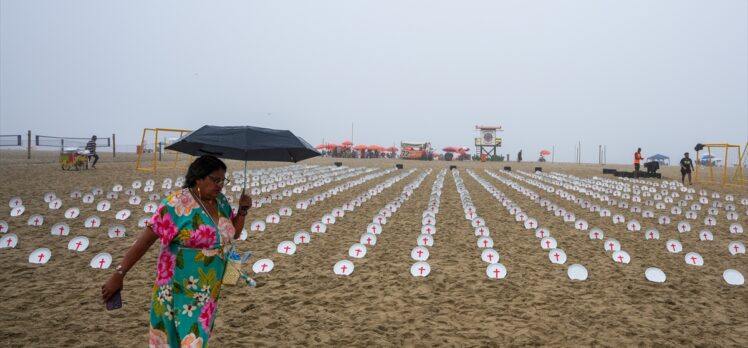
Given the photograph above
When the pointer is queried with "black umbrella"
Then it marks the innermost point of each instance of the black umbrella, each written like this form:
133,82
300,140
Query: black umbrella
245,143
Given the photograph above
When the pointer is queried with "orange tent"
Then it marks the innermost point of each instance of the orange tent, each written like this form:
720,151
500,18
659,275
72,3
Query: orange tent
346,143
360,147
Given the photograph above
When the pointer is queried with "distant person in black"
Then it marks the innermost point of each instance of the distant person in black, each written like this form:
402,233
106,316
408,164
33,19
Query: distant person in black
686,166
519,156
91,147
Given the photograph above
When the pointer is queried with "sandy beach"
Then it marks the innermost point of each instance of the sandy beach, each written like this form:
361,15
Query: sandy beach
302,303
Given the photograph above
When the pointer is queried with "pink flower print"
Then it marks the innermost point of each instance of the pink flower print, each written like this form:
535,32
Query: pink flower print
166,263
226,229
183,203
203,237
163,226
206,315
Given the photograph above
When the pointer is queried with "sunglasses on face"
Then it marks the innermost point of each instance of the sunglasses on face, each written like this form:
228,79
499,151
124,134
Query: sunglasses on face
219,180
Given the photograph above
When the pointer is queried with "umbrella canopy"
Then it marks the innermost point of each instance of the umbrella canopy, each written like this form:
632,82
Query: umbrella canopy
392,149
360,147
245,143
658,157
544,152
346,143
321,146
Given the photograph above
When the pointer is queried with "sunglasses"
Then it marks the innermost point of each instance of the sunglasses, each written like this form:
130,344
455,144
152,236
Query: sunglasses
219,180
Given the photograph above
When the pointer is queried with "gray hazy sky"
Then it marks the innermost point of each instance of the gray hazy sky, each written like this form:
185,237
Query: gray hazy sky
658,74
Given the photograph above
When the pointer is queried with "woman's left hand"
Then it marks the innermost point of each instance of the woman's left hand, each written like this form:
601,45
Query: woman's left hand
245,202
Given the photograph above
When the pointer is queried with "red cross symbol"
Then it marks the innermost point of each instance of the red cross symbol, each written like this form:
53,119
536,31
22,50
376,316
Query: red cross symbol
368,240
16,202
618,218
78,245
380,219
490,257
421,269
72,213
101,263
683,227
531,224
150,207
496,273
103,206
710,220
673,246
611,245
343,267
620,258
10,240
481,231
2,227
556,255
286,248
62,229
337,213
471,214
596,235
328,220
317,227
548,244
568,216
41,256
736,247
55,204
735,229
123,215
116,232
705,235
425,241
651,235
257,227
419,252
693,259
542,233
272,218
263,267
485,243
428,230
302,238
374,229
36,221
580,225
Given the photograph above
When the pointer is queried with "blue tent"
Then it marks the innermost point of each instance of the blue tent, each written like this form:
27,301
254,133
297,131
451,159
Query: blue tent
662,159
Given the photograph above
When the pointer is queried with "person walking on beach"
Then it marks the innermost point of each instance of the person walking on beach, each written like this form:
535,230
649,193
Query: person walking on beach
637,161
195,226
91,147
519,156
686,166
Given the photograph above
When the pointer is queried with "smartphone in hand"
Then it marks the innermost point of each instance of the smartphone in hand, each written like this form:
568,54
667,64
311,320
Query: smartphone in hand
114,302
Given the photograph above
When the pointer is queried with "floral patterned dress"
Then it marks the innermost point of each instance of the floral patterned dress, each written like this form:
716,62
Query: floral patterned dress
190,269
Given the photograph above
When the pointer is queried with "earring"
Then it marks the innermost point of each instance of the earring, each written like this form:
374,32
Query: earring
199,195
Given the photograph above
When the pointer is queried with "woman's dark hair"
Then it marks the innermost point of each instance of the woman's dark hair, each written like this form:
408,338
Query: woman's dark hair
200,168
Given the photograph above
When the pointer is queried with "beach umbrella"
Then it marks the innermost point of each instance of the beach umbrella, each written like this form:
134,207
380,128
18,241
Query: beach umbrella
321,146
360,147
346,143
544,152
450,149
245,143
331,146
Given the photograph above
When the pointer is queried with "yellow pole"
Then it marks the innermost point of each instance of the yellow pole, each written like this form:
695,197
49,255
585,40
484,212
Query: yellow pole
696,168
724,173
155,150
140,154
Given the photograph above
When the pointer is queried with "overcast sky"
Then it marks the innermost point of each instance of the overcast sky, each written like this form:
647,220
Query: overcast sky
658,74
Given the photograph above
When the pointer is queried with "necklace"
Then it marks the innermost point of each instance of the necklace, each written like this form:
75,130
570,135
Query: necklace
207,212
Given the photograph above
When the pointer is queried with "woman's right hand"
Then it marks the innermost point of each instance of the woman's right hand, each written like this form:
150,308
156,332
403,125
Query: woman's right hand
111,287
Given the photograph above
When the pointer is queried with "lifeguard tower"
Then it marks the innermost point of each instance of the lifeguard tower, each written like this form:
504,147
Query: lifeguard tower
487,142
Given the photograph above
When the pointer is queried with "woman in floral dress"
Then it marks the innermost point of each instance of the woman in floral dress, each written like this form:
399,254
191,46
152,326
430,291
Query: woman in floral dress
195,226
